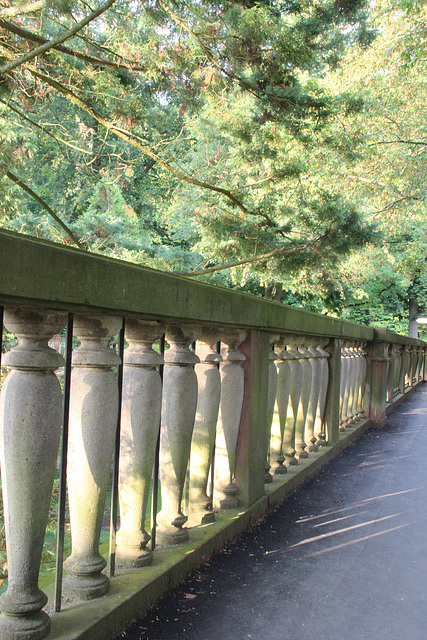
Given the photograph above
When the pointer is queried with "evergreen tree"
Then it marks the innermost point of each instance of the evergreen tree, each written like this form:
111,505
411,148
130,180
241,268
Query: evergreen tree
141,93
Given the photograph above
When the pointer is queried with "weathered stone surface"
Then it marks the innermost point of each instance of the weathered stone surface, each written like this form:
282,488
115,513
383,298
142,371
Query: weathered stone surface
232,390
92,427
202,446
30,414
140,424
283,390
271,402
178,413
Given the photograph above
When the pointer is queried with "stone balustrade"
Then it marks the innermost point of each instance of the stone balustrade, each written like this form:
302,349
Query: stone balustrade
247,396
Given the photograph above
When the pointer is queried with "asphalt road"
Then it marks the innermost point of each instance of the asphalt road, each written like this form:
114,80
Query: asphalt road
343,558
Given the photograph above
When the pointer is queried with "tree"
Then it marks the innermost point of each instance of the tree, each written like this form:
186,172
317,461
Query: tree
386,284
131,93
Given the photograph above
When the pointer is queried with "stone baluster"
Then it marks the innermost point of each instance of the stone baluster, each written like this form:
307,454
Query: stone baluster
140,423
232,390
283,368
202,446
176,430
391,374
345,383
397,369
415,365
410,365
351,385
294,359
418,365
315,360
30,414
305,357
407,364
359,378
353,382
331,416
342,384
319,428
421,364
402,377
353,375
271,401
92,428
421,368
361,413
379,373
416,361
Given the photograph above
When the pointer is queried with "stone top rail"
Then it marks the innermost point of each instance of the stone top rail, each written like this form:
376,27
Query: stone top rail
42,273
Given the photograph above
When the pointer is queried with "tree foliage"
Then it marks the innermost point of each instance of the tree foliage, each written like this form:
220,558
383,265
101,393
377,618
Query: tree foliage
389,179
184,134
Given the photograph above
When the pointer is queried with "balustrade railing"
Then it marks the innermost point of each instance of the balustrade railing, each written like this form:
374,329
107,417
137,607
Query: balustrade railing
244,394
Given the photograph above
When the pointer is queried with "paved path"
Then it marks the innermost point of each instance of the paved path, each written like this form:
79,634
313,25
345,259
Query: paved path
343,558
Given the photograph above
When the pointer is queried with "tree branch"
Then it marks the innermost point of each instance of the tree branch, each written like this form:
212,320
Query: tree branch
45,131
279,251
65,36
28,8
45,206
391,205
362,302
399,141
28,35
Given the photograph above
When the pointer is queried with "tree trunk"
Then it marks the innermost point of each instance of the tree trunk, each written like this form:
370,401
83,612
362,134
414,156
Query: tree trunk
274,291
413,315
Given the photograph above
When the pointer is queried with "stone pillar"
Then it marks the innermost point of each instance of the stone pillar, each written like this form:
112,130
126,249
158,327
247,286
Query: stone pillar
176,430
332,405
402,379
345,384
407,367
92,428
30,414
250,453
414,364
316,370
397,367
361,385
352,385
232,390
202,446
271,400
283,391
294,358
306,379
140,423
319,428
379,373
410,349
420,363
390,375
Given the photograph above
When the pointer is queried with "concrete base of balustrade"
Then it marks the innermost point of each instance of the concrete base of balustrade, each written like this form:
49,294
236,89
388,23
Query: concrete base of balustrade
134,592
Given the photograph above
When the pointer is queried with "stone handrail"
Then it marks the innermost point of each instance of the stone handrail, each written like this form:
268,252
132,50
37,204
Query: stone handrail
246,393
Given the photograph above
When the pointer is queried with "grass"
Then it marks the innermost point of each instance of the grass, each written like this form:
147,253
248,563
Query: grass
48,563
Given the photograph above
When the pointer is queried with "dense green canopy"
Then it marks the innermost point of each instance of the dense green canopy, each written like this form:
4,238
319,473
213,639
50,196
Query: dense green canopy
240,142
